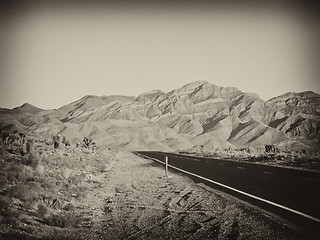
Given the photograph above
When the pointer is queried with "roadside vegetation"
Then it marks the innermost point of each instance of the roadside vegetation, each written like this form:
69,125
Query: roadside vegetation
268,154
44,183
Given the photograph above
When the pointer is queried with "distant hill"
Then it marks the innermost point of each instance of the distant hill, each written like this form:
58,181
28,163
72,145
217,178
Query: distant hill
197,114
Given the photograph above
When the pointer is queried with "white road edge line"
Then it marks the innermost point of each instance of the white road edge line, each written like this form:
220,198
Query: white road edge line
239,191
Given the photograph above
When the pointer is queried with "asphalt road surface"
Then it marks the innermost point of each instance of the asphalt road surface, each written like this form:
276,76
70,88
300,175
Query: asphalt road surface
295,189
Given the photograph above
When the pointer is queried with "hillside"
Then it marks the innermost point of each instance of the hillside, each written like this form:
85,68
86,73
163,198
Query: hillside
197,114
304,103
303,115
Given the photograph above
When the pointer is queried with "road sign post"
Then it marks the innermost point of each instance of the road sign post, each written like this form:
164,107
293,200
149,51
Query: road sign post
166,166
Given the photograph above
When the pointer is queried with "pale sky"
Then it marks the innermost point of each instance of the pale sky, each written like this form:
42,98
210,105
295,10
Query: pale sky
55,54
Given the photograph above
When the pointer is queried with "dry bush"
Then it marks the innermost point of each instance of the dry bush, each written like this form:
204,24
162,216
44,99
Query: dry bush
56,145
102,165
69,207
27,174
24,193
66,172
79,178
32,160
17,175
31,203
52,201
47,185
5,206
64,219
43,211
46,159
79,192
40,169
13,173
28,146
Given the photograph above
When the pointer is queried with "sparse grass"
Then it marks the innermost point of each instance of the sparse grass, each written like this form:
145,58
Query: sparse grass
64,219
42,184
299,159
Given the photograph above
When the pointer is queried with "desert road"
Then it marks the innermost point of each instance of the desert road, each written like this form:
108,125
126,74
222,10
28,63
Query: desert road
296,190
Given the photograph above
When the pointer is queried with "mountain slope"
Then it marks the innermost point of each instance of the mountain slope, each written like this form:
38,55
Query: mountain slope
303,114
306,104
197,114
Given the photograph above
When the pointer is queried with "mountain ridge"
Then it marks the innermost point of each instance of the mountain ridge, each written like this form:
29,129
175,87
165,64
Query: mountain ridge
197,114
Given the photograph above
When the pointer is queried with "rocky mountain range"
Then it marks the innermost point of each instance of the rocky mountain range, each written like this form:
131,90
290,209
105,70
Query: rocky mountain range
197,114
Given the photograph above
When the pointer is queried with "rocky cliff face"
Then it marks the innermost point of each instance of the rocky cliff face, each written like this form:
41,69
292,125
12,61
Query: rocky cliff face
196,114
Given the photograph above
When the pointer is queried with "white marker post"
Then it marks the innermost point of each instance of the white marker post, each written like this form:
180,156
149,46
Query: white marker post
166,166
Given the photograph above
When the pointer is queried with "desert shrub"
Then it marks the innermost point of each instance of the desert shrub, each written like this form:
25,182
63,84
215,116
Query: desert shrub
10,150
14,172
42,211
52,201
27,174
56,138
28,146
56,144
47,142
87,142
107,209
40,169
3,180
271,148
19,173
19,191
79,192
22,153
4,135
32,160
48,185
101,166
76,179
5,206
32,201
64,220
69,207
66,172
45,159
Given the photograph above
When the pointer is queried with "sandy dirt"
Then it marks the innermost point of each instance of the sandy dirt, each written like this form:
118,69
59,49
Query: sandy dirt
130,198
